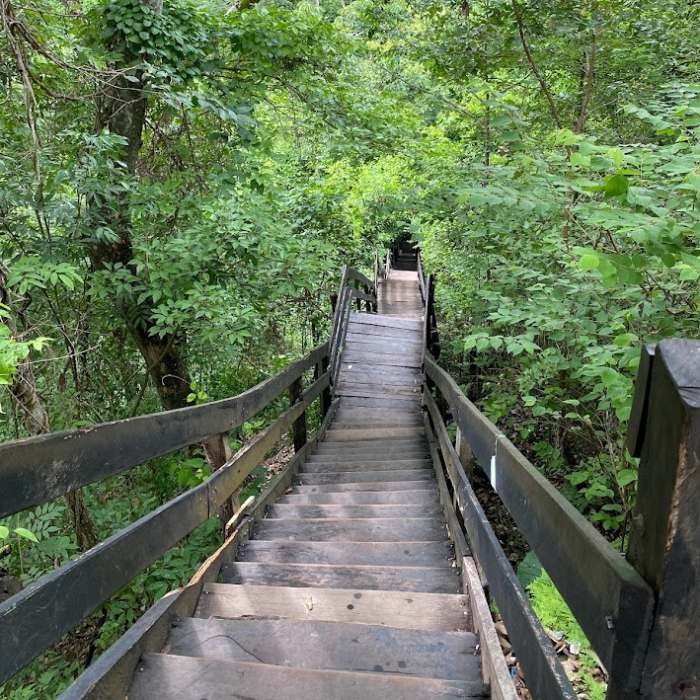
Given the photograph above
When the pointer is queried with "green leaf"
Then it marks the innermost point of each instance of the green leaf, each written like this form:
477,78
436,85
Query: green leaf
626,477
4,532
589,261
616,186
27,534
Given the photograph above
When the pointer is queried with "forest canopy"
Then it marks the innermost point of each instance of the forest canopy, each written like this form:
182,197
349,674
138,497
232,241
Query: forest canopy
181,181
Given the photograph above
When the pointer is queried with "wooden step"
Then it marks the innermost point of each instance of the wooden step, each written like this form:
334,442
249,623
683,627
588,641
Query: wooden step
170,677
374,359
428,611
347,386
380,402
382,347
339,646
365,465
412,498
387,475
425,579
336,510
353,529
349,456
413,440
359,486
349,553
363,434
379,320
367,330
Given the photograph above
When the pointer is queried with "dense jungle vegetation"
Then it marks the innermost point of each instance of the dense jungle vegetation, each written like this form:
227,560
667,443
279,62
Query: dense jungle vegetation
180,182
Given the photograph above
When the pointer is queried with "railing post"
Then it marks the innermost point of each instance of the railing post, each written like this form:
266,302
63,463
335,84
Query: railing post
296,392
321,369
665,537
217,450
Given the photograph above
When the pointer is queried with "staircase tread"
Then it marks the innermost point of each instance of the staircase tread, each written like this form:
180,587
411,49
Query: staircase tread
406,498
173,677
405,610
438,579
329,645
331,510
389,475
355,529
413,553
427,485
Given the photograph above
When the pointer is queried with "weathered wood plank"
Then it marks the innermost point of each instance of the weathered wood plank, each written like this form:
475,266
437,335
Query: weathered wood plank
410,498
352,434
366,465
426,611
349,553
172,678
353,529
366,330
39,469
545,676
494,668
383,476
602,589
329,645
352,486
329,510
376,360
387,578
383,402
388,321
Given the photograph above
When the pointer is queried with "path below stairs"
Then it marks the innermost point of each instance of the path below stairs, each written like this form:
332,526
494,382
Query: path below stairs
348,589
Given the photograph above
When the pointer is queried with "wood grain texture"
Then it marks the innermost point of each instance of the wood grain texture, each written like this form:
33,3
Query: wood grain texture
339,646
439,579
349,553
428,611
174,677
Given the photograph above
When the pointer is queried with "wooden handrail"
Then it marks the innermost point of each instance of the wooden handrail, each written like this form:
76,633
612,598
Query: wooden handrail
38,469
545,676
44,611
610,600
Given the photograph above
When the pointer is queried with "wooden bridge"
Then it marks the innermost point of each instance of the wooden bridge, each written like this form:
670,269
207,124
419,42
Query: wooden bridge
364,567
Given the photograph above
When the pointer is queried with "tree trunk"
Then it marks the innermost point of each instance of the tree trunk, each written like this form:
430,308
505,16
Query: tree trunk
121,110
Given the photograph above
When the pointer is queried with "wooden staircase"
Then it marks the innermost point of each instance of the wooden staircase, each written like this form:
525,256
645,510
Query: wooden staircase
349,587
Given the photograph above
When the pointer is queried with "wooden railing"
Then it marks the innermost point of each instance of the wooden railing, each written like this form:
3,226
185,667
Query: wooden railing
353,285
39,469
620,603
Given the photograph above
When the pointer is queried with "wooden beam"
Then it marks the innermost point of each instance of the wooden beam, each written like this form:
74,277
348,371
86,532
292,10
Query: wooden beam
493,665
296,391
44,611
603,590
665,538
545,677
39,469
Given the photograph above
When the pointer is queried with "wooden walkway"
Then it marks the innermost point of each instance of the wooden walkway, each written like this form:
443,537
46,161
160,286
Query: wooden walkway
349,588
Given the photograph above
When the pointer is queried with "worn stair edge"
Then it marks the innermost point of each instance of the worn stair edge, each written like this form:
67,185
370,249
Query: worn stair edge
425,579
349,553
170,677
356,529
360,477
340,646
429,611
357,498
332,465
354,510
354,486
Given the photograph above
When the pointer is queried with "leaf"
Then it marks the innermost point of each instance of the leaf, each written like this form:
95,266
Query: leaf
27,534
626,477
4,532
589,261
616,186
